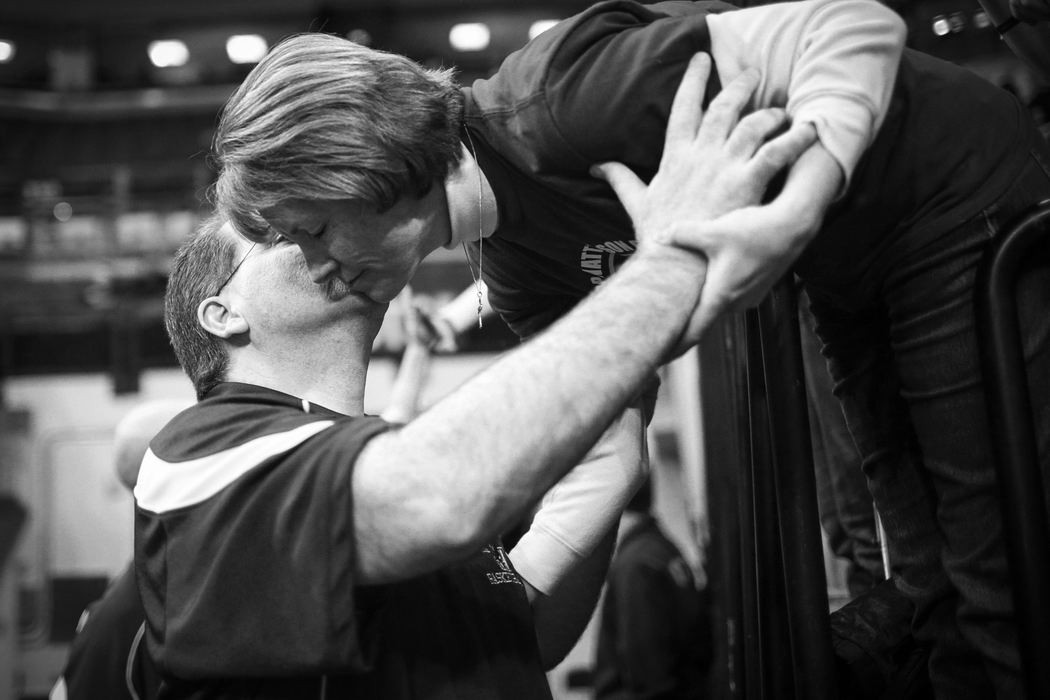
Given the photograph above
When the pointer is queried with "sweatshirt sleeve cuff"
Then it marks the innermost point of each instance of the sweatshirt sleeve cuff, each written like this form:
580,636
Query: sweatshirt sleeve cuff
542,559
844,128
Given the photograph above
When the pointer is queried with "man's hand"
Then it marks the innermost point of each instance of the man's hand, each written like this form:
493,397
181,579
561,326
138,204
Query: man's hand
715,170
712,163
751,248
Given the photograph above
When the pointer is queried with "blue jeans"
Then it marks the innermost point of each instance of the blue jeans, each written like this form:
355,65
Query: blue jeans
843,501
902,347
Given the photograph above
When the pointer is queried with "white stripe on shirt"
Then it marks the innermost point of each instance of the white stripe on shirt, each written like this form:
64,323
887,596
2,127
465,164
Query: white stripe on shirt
163,486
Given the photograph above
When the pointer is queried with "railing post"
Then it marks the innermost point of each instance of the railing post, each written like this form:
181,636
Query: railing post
723,396
1016,455
775,658
796,492
767,566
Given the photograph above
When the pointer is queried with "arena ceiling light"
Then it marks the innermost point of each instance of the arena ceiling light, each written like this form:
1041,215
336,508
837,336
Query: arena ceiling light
469,36
246,48
168,53
7,51
540,26
63,211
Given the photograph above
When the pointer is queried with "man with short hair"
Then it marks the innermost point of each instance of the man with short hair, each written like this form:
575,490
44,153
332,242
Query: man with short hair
288,546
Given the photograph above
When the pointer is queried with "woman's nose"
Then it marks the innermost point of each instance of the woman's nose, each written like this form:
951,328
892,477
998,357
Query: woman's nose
319,263
321,270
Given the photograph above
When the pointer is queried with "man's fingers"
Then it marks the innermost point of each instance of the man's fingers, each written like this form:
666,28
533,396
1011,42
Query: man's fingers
628,187
687,108
724,111
711,306
784,149
694,330
696,237
753,131
717,297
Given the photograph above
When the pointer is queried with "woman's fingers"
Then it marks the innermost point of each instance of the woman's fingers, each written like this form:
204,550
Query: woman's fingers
784,150
754,130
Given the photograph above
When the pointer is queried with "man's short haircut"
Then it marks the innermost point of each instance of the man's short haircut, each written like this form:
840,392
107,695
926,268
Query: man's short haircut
323,118
199,267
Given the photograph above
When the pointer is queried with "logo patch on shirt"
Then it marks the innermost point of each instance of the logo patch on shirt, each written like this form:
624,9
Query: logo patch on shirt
506,571
600,260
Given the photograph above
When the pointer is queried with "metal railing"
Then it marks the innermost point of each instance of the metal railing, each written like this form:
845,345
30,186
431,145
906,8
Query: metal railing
772,632
766,559
1021,485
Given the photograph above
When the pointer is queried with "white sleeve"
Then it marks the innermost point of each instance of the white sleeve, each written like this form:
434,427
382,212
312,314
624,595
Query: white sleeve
830,62
578,511
413,372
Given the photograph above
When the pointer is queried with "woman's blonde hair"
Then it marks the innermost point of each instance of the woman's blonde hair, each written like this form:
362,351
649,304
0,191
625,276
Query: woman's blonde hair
321,117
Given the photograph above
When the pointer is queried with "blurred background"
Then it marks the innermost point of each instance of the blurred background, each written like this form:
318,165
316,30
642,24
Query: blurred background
106,115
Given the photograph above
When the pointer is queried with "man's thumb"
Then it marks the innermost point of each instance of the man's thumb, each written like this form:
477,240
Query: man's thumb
628,188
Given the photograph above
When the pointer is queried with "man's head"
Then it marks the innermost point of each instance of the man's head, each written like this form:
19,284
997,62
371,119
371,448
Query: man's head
236,307
323,118
135,430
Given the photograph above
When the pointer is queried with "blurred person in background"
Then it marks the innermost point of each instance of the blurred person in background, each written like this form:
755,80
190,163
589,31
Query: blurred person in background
655,638
108,658
428,331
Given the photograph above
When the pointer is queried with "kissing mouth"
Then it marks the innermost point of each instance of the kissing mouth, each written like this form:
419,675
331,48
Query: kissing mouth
336,289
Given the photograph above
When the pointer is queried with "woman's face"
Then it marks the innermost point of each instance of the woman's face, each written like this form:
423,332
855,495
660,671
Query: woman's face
374,254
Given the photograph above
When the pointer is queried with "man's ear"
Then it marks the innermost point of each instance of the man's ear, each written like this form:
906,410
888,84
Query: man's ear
218,319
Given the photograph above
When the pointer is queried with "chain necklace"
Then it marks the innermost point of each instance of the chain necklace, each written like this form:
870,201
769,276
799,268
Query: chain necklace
481,236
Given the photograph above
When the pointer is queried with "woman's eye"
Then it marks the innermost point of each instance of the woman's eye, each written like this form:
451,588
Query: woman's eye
278,240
